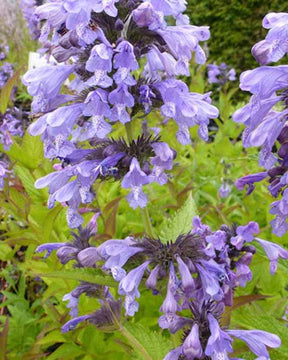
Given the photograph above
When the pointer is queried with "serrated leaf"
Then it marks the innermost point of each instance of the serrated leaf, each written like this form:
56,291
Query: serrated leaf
180,222
18,198
94,276
152,344
31,152
237,302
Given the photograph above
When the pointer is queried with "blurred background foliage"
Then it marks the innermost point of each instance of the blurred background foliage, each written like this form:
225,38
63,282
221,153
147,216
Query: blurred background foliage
235,27
31,308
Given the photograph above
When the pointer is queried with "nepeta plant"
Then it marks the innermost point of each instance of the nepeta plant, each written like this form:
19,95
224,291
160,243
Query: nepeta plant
265,117
11,120
220,74
118,61
102,46
201,270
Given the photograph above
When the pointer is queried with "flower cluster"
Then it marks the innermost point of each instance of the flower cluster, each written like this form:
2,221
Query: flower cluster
275,46
220,74
118,60
138,163
104,52
99,47
10,125
11,120
266,115
210,264
6,69
28,8
207,340
200,271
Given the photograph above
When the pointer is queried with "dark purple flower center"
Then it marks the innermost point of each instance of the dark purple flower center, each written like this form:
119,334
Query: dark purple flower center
141,149
186,247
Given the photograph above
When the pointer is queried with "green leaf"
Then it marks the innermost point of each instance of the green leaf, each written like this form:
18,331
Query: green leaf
152,345
180,222
67,351
6,252
32,148
28,182
3,339
94,276
52,338
7,89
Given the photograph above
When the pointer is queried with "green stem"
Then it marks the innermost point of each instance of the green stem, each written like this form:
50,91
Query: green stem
134,341
129,131
147,222
126,333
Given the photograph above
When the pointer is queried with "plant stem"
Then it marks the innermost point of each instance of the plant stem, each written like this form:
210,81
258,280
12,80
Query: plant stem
126,333
129,131
134,341
147,222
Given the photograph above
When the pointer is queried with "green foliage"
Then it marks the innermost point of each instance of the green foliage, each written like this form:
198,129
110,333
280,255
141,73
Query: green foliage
155,345
235,27
93,276
180,223
6,91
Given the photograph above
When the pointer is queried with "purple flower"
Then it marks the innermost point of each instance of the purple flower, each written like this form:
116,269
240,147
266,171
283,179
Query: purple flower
125,61
188,109
250,180
99,63
243,272
71,324
49,248
192,348
78,250
145,15
135,179
174,354
88,257
224,190
256,341
129,286
274,78
219,341
275,45
182,40
117,252
73,304
210,275
220,74
245,234
273,252
3,173
46,79
6,71
121,98
146,96
169,7
28,8
216,241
